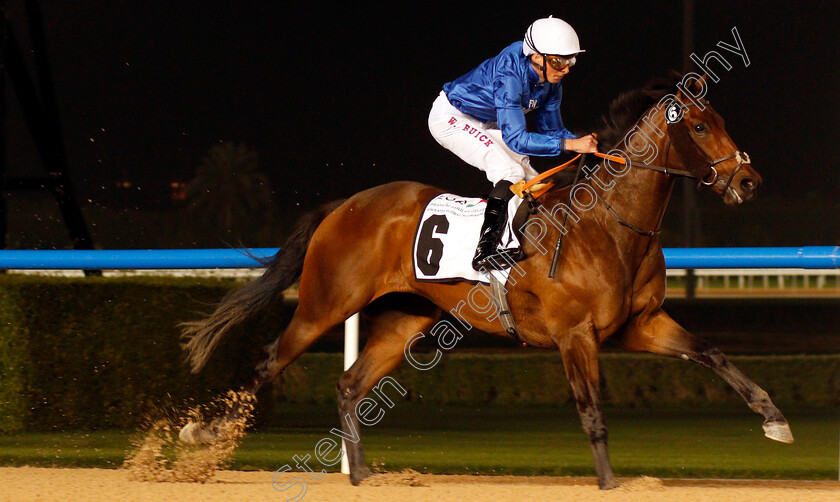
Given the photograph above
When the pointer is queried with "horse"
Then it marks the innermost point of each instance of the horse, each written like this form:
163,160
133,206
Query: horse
606,282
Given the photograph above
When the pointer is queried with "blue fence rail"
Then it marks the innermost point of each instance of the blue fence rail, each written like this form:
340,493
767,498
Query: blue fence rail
808,257
134,259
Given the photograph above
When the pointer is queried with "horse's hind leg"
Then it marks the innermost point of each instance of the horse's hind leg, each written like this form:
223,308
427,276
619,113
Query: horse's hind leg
303,330
300,334
389,331
659,334
318,311
579,349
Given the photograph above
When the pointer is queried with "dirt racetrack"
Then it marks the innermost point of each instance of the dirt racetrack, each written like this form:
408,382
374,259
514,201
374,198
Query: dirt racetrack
20,484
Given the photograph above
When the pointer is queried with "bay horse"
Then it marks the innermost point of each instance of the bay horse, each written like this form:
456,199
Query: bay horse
356,255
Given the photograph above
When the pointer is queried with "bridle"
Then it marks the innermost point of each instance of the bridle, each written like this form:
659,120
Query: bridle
740,156
675,129
673,133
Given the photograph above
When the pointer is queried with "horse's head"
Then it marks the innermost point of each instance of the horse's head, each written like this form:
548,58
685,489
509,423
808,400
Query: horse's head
702,145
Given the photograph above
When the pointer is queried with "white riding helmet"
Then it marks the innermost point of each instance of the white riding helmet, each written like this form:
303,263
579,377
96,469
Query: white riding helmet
551,36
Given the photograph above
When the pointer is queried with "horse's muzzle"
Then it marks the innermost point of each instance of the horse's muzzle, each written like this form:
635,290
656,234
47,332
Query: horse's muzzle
748,183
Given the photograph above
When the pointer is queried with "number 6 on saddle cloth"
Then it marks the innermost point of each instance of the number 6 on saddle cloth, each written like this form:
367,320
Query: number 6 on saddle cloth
447,235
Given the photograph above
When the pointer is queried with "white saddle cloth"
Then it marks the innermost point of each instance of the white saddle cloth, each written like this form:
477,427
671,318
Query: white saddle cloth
447,236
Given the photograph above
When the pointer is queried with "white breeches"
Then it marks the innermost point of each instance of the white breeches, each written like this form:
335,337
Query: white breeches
477,143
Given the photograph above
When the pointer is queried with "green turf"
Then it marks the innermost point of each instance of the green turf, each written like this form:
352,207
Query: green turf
708,444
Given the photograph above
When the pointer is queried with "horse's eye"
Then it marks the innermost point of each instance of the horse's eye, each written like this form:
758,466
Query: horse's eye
700,128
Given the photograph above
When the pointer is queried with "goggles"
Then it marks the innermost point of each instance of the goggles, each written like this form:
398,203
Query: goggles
559,62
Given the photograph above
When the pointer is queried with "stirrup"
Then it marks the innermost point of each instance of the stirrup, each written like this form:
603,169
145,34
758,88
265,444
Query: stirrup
501,259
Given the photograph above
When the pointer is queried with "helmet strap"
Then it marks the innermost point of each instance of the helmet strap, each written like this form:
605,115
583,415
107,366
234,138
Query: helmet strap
541,67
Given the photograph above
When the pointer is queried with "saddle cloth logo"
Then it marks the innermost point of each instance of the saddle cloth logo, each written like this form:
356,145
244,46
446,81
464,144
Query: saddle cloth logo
447,236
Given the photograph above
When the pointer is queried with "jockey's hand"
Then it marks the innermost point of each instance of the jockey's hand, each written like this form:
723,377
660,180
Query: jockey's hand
585,144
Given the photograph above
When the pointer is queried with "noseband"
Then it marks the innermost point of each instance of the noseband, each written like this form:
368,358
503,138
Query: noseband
740,156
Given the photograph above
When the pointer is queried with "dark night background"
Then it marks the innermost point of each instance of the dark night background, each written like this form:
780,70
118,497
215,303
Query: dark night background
335,99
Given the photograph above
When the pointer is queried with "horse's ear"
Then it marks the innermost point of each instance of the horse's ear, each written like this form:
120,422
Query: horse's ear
700,84
673,77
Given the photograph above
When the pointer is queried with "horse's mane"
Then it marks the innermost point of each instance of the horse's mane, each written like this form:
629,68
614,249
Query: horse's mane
625,111
628,107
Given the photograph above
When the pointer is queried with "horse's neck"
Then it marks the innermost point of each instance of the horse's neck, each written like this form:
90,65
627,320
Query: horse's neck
641,195
638,196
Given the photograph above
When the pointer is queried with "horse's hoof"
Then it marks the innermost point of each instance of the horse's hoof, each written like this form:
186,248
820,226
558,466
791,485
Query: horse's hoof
359,475
187,434
778,431
193,433
609,484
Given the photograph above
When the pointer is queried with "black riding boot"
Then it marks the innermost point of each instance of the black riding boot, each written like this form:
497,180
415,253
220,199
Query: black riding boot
495,217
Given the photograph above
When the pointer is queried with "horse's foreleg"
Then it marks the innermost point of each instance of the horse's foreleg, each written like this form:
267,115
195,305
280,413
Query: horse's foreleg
579,349
389,332
659,334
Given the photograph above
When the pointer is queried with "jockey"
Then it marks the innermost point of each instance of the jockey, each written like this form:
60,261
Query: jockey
480,117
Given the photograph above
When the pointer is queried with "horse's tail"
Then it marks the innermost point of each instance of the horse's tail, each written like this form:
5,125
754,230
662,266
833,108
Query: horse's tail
240,305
